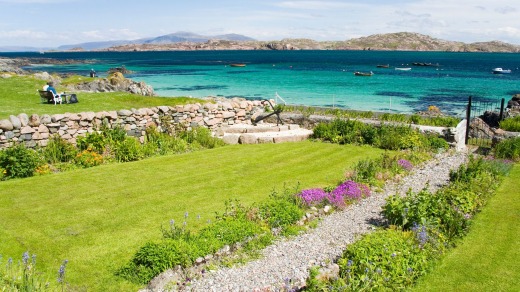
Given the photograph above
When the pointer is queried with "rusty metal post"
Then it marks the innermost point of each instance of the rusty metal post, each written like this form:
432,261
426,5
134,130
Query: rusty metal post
468,117
502,103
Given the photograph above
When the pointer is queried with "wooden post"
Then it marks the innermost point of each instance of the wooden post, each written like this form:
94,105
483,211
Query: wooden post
501,117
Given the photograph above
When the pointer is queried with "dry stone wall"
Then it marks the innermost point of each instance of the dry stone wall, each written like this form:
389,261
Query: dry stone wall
35,130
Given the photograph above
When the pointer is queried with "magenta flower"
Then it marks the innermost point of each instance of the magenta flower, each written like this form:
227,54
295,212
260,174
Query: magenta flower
405,164
313,196
348,190
336,199
351,190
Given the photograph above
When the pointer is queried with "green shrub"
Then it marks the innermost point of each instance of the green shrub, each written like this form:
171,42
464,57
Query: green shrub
383,136
425,208
59,150
508,149
116,134
375,172
88,158
18,161
230,231
201,136
511,124
156,257
436,143
102,141
129,149
94,141
340,131
182,247
280,213
476,168
384,260
163,143
366,170
452,206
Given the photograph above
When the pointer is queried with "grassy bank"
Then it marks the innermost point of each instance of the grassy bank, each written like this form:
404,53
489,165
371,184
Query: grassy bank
96,218
487,259
19,94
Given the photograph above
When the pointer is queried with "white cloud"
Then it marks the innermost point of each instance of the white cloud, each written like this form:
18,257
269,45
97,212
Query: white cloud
111,34
506,10
312,5
23,34
510,31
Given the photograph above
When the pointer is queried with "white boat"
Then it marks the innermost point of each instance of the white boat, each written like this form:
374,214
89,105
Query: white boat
403,68
501,71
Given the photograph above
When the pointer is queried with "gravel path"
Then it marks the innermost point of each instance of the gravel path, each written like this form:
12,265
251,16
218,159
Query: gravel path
290,259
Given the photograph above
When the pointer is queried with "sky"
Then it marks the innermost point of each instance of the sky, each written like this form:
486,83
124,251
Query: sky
51,23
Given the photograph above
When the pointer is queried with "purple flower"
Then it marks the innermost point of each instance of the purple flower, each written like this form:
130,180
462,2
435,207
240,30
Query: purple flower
313,196
405,164
25,258
351,190
423,236
61,272
336,199
348,190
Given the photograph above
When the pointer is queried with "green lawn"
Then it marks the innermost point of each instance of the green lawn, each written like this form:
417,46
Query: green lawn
19,94
488,258
97,218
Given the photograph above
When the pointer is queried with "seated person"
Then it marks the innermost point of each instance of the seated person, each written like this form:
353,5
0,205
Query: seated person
53,90
46,86
50,87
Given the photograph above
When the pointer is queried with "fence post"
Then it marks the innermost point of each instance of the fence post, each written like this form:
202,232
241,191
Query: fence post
502,109
468,117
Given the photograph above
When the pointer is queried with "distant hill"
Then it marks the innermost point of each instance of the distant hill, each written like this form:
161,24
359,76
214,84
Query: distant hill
407,41
400,41
172,38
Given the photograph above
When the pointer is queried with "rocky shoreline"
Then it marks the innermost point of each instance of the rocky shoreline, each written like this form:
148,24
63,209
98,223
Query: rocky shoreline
285,264
115,82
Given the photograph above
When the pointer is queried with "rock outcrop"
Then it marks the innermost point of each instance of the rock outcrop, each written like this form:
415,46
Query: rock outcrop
513,106
115,82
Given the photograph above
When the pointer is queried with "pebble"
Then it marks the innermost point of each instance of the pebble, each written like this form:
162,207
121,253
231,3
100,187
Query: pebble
285,264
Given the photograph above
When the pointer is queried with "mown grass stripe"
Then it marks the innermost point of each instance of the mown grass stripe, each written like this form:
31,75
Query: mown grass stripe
98,217
487,259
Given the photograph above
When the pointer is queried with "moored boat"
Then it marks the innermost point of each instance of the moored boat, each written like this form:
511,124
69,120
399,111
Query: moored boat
501,71
237,65
383,66
403,68
357,73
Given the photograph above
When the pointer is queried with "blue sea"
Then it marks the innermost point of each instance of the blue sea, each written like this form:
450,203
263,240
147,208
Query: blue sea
313,78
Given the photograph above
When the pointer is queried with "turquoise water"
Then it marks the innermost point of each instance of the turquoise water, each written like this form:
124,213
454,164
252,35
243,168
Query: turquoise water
319,78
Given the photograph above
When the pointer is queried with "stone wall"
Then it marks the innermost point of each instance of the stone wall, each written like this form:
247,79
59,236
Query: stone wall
36,130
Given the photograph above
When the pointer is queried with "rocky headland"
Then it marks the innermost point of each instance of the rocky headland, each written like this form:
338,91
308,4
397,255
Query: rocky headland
402,41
